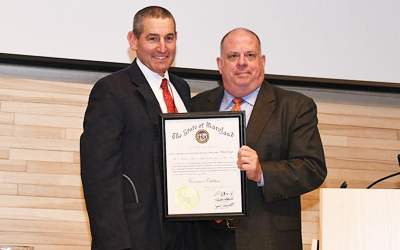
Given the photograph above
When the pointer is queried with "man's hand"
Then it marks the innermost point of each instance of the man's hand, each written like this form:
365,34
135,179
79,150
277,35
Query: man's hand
248,161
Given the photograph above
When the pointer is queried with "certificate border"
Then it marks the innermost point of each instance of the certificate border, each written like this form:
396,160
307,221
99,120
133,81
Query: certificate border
242,137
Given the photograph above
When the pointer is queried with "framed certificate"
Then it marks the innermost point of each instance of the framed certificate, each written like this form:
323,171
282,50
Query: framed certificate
201,177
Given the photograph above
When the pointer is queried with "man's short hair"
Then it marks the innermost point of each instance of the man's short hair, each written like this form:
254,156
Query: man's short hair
149,12
227,34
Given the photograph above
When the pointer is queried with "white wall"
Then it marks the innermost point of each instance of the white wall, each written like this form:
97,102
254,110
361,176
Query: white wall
339,39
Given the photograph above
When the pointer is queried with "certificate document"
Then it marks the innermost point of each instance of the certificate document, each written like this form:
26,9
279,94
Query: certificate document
201,177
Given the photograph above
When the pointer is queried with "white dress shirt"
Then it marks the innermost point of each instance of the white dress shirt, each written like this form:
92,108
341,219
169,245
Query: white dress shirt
154,81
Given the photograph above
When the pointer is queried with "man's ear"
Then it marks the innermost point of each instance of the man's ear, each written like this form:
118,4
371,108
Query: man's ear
219,62
132,39
263,60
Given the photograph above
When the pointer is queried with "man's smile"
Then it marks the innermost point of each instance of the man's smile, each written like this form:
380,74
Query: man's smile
160,57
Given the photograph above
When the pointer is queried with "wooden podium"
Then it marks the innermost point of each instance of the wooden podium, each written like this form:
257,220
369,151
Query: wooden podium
359,219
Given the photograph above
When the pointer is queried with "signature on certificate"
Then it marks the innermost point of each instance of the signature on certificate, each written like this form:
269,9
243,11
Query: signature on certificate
224,199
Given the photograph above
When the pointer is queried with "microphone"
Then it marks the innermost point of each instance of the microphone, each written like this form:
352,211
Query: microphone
387,177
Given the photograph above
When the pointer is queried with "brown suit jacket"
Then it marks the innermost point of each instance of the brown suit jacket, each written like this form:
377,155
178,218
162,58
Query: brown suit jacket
121,165
283,130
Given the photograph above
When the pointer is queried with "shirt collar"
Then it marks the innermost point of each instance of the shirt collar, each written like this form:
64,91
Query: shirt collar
250,99
152,78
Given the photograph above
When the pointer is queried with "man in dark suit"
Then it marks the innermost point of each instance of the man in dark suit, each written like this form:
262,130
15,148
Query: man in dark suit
283,158
120,154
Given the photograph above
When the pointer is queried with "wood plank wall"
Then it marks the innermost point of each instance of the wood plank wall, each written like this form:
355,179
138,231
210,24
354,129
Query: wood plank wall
41,198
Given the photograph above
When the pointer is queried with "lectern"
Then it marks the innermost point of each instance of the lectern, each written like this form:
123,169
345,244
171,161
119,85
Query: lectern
359,219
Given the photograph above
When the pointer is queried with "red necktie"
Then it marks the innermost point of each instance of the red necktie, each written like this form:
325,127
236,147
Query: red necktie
169,101
236,101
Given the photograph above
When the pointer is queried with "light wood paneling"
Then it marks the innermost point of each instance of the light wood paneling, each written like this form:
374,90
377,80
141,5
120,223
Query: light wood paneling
4,153
39,143
360,132
44,238
32,131
7,118
10,165
42,214
36,96
43,226
48,121
21,201
41,155
50,191
53,167
40,187
45,86
40,179
60,247
360,121
8,189
42,108
74,134
361,153
358,110
360,164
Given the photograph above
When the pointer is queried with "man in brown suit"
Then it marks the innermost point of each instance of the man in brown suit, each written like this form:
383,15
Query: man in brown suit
283,158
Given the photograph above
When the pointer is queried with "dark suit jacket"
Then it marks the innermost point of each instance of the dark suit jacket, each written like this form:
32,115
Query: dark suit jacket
283,131
121,165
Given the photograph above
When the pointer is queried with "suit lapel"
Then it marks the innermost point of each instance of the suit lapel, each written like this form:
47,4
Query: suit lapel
214,100
263,108
137,77
153,110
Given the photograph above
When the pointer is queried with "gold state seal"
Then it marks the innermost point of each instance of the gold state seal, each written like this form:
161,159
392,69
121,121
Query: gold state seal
187,198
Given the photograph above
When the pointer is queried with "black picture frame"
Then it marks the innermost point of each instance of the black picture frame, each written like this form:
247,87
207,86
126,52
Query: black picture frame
187,201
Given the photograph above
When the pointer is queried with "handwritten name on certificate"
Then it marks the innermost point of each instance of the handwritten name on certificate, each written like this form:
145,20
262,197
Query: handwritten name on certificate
202,173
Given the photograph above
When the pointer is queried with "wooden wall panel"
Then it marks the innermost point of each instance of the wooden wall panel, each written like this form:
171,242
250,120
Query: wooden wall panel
48,121
41,155
53,167
32,131
360,121
4,153
50,191
353,131
34,96
34,238
43,226
6,118
10,165
9,189
42,108
358,110
43,200
73,134
44,86
38,143
40,188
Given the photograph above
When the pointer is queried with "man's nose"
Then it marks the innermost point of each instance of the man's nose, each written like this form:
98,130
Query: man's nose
242,63
162,47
